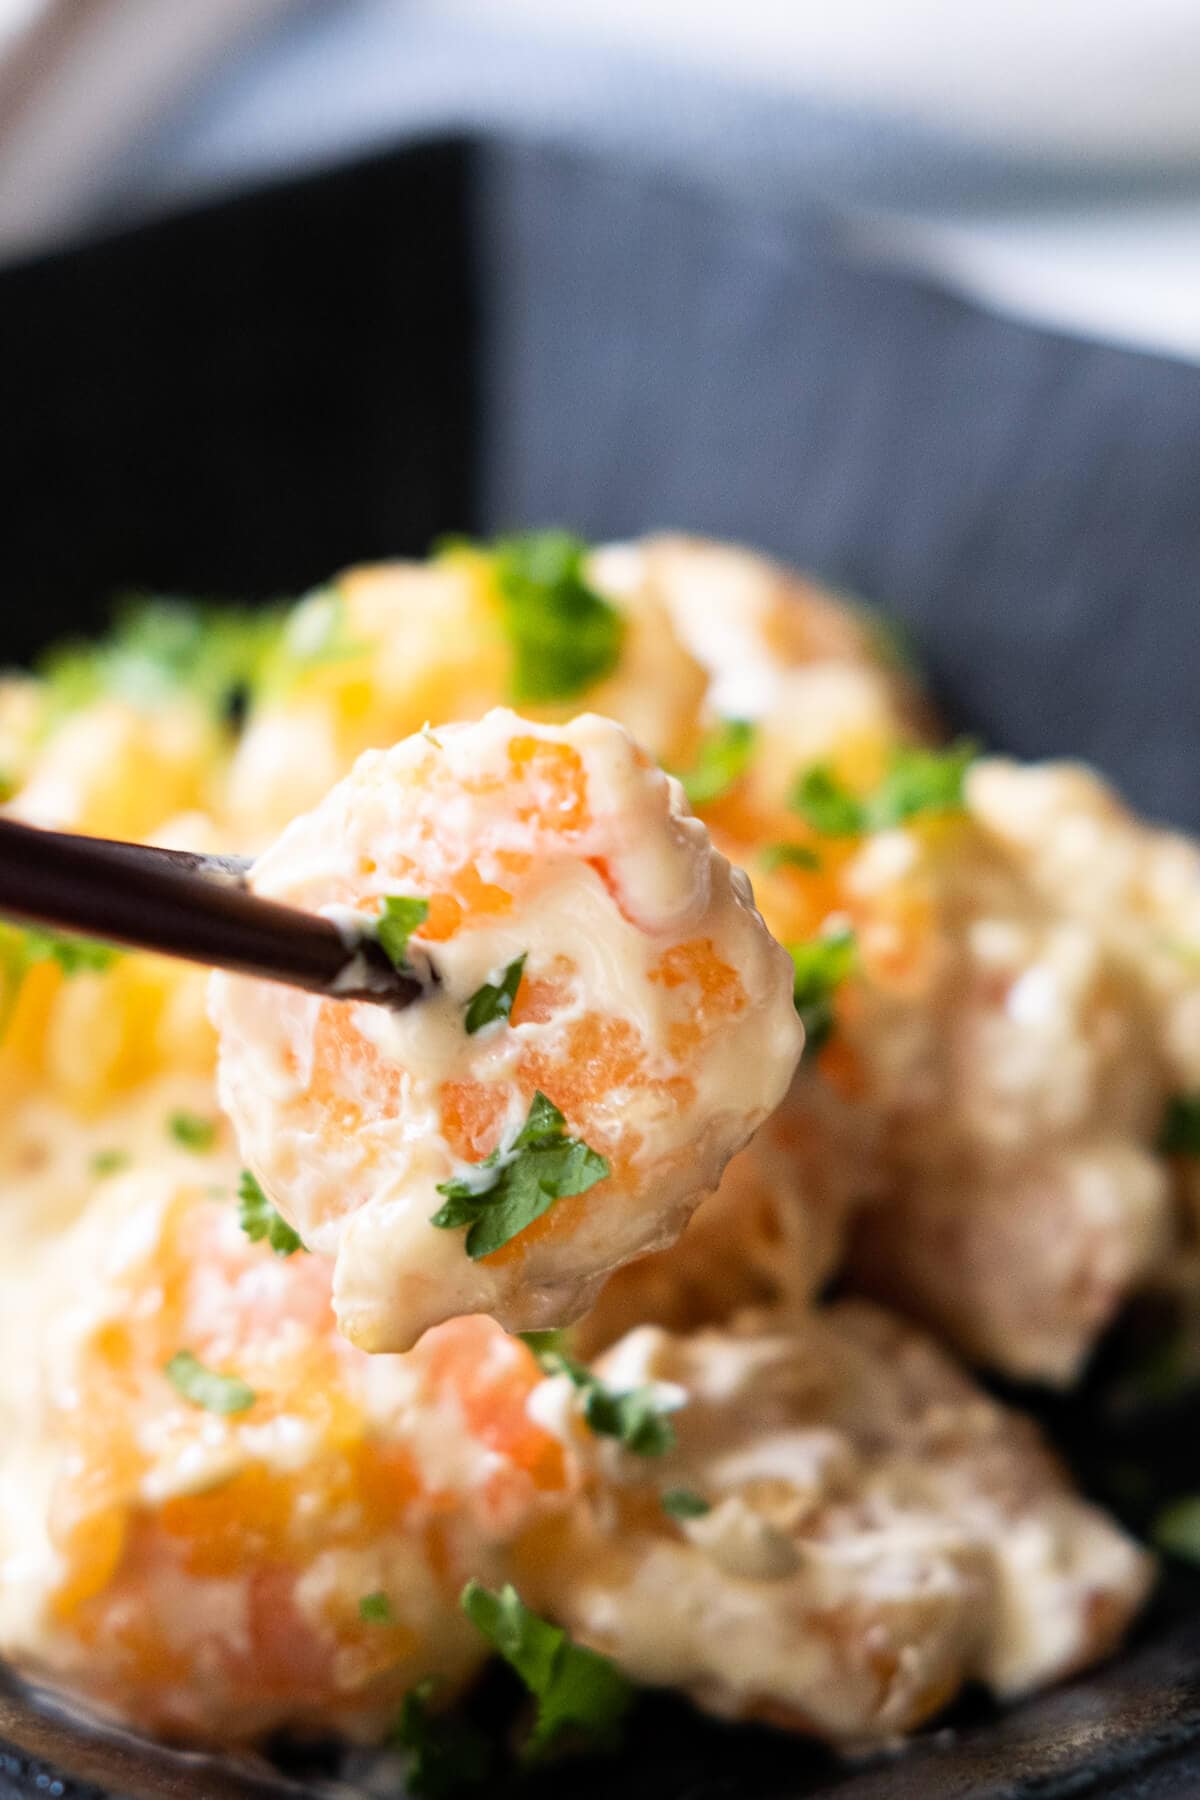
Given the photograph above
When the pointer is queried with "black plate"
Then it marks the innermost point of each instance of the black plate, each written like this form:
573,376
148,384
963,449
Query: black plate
469,334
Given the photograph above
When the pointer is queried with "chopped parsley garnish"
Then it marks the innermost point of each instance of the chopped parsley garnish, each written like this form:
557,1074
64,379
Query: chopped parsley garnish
259,1219
639,1418
543,1342
788,856
445,1755
826,803
205,1387
516,1184
402,914
193,1131
573,1688
375,1609
684,1503
159,649
919,783
1177,1529
819,966
1180,1132
565,636
722,759
74,955
109,1162
494,1000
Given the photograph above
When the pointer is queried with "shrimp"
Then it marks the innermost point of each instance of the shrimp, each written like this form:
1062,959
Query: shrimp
242,1521
996,1056
845,1532
639,1027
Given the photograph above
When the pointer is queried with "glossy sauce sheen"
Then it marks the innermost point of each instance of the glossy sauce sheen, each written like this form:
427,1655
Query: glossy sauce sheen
654,1010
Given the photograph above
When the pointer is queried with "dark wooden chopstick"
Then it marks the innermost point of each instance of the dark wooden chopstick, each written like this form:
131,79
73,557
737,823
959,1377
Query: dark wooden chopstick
179,903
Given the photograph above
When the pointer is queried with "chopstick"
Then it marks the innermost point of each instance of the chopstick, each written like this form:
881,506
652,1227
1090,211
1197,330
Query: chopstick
183,904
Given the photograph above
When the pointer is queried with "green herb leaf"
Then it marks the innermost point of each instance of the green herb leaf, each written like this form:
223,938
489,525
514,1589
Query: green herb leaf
259,1219
402,913
684,1503
515,1185
159,649
445,1755
573,1688
723,757
74,955
109,1162
494,1000
826,803
542,1343
639,1418
565,636
1177,1529
193,1131
1180,1132
375,1609
819,966
788,856
920,782
204,1387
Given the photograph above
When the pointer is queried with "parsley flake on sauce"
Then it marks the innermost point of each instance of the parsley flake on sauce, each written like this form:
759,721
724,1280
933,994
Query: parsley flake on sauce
375,1609
159,649
494,1000
445,1756
205,1387
1177,1529
74,955
819,966
193,1131
918,783
684,1503
259,1219
722,759
573,1688
638,1418
109,1162
565,636
1180,1132
517,1183
788,856
402,914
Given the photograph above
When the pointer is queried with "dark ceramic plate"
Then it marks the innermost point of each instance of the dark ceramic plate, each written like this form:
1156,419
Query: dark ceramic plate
463,335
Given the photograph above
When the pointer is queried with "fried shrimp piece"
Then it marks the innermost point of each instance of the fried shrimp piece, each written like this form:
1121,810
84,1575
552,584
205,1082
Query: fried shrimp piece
639,1027
845,1532
773,1233
222,1519
767,635
1135,883
997,1062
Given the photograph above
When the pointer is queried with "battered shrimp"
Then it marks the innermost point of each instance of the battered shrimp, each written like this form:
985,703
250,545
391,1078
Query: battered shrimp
845,1533
611,1023
222,1519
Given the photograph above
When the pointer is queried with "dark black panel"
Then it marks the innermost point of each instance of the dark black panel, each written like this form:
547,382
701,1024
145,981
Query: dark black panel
1029,504
241,400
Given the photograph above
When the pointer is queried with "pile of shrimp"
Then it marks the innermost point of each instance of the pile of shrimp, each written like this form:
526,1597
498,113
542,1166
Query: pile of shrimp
998,976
